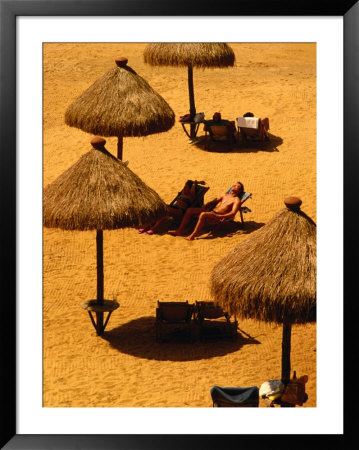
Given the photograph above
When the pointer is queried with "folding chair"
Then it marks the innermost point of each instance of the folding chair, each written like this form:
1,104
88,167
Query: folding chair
220,131
199,196
208,311
173,313
253,127
235,396
197,201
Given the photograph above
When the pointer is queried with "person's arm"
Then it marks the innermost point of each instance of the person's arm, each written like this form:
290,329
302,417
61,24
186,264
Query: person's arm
194,185
213,202
193,188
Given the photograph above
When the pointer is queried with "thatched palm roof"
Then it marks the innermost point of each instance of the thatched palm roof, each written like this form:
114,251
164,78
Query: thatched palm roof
271,276
189,55
202,55
120,103
100,192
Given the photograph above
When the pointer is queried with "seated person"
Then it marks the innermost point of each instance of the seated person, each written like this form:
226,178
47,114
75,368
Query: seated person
223,207
178,207
217,120
263,127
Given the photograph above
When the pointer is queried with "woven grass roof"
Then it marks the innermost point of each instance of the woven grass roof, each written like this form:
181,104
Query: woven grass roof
202,55
271,276
100,192
120,103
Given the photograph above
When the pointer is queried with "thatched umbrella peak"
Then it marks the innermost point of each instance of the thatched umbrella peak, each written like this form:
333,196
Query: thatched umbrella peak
98,142
190,55
293,203
122,61
271,276
120,103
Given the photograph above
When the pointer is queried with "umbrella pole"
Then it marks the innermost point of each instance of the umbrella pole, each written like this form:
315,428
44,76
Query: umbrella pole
192,106
286,338
100,290
119,147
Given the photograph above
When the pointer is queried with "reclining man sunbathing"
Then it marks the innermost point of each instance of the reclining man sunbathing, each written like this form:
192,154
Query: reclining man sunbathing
223,207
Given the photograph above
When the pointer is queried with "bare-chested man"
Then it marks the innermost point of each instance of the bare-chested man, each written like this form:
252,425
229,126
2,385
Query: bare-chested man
222,207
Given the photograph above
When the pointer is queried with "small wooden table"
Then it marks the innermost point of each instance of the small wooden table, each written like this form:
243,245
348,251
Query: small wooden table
92,306
197,124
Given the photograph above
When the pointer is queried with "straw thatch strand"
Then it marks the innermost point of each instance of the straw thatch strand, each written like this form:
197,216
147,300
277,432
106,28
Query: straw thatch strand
120,103
189,54
100,192
271,276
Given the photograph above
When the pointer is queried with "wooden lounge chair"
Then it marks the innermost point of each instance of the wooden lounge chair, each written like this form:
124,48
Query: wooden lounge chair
197,201
206,311
220,131
253,127
243,198
235,396
199,196
173,313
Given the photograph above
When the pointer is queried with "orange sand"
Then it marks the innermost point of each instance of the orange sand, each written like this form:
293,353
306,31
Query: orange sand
126,367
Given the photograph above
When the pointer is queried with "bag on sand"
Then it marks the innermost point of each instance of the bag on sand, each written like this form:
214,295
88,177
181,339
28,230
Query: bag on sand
294,392
185,118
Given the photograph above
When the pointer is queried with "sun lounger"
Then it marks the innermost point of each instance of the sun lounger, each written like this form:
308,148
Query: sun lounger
173,313
199,196
197,201
218,131
207,311
243,197
253,127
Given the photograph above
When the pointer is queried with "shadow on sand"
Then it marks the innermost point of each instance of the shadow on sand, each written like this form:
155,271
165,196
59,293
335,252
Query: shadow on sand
250,146
227,229
137,338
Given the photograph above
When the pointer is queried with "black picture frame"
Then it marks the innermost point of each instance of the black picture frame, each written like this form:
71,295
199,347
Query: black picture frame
9,10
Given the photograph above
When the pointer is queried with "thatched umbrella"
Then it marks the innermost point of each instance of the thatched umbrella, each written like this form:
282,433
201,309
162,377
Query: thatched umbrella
120,103
271,276
99,192
202,55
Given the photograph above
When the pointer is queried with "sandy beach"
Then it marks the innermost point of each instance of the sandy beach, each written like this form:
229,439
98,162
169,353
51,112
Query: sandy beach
126,367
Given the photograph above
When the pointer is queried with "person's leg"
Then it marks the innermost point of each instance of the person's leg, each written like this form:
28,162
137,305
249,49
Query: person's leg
157,224
185,221
170,212
142,230
174,212
203,218
265,122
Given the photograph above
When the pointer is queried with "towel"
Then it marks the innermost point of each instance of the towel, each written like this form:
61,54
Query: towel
247,122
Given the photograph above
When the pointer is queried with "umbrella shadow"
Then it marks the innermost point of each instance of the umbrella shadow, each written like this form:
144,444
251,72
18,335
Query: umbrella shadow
249,146
138,338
